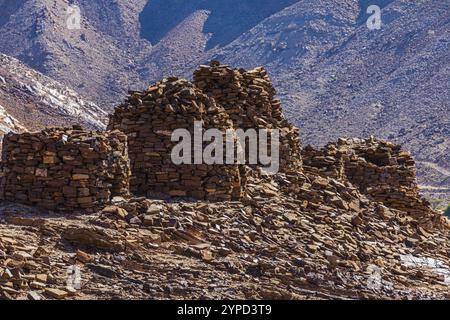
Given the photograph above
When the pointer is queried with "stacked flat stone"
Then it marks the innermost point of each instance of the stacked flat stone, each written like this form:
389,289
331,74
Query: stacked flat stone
149,118
64,169
379,169
327,161
249,99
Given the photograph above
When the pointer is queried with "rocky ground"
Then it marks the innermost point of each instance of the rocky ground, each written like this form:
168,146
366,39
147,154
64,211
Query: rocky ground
323,241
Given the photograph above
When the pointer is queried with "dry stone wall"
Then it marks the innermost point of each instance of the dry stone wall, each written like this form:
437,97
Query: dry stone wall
249,99
220,97
64,169
71,169
149,118
379,169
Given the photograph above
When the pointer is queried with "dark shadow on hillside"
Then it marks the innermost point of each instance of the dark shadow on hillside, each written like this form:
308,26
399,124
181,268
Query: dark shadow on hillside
227,21
10,7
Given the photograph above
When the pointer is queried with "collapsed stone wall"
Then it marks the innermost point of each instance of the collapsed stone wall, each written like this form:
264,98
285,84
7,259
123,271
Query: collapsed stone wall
379,169
64,169
149,118
249,99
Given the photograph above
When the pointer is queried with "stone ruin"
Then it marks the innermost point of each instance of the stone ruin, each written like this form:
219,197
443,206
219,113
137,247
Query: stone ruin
222,98
380,170
64,169
249,99
149,118
73,169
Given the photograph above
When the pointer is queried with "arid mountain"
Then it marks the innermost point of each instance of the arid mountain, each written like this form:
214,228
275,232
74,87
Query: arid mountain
96,60
227,20
113,49
9,123
335,76
30,101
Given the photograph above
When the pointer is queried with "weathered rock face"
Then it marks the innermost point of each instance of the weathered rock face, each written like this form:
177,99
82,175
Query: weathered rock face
379,169
149,119
64,169
249,99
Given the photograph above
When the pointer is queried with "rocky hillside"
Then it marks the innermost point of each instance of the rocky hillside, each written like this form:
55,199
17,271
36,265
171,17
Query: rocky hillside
32,101
9,123
270,246
97,60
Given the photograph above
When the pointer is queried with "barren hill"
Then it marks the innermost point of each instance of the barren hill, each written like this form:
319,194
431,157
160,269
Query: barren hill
97,60
31,101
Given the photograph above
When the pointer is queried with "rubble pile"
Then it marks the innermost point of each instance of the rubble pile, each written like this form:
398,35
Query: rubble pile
249,99
379,169
270,245
64,169
149,118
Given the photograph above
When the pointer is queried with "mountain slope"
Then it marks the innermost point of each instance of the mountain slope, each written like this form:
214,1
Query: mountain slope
97,60
31,100
108,55
9,123
227,19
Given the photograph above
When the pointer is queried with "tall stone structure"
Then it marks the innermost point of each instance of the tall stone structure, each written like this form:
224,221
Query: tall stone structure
149,118
222,98
249,99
